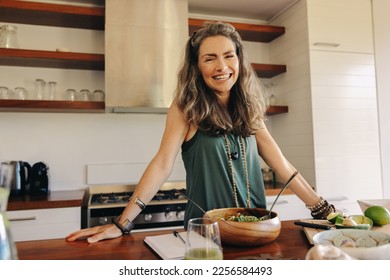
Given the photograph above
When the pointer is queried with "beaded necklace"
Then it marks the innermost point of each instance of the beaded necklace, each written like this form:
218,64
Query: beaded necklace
243,153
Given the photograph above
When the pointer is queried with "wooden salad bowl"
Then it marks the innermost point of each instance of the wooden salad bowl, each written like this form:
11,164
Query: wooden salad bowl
245,233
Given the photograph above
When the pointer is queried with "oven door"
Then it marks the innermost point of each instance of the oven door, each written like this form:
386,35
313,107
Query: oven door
153,216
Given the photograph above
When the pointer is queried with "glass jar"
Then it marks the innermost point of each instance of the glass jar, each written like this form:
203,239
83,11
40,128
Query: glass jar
8,38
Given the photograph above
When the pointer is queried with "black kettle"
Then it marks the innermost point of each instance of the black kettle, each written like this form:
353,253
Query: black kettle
21,177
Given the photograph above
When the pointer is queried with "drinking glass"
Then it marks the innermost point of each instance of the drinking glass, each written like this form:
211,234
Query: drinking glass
39,90
52,90
84,95
203,240
70,94
7,246
21,93
4,93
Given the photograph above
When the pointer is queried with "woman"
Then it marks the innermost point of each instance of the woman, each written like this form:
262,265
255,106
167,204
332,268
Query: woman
217,120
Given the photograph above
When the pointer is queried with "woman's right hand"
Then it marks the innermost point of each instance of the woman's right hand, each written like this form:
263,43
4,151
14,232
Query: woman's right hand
95,234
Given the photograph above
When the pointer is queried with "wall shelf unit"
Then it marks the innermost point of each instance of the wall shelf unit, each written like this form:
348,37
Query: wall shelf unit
70,16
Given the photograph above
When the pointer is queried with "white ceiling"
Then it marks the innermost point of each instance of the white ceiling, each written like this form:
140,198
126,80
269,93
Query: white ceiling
252,10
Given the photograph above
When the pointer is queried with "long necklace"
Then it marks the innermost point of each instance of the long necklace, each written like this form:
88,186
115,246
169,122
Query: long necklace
243,153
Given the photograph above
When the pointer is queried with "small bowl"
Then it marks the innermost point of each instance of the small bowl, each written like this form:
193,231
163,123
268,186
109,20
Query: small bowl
357,243
246,233
362,222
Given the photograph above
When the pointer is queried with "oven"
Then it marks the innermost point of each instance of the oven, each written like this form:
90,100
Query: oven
165,210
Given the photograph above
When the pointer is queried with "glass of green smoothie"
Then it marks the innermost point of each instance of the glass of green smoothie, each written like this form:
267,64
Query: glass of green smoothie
203,240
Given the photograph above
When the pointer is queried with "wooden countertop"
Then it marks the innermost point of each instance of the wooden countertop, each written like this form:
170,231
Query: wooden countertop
55,199
290,244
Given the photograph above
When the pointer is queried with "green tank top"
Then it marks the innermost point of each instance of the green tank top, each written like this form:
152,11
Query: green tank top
208,175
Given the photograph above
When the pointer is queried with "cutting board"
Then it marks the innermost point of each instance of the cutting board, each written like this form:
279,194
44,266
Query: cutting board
310,232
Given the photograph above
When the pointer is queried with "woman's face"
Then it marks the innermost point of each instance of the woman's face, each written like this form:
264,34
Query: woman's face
218,64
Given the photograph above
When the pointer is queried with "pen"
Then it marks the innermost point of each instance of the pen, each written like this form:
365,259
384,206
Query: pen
310,225
176,234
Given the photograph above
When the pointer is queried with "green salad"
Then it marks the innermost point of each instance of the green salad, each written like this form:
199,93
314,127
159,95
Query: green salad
242,218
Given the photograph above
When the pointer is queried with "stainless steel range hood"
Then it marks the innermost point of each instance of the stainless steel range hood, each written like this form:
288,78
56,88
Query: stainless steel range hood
144,44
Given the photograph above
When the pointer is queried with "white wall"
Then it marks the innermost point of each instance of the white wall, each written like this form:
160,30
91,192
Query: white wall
381,9
294,131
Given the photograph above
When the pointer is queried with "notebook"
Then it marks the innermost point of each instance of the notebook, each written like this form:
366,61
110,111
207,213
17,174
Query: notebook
167,246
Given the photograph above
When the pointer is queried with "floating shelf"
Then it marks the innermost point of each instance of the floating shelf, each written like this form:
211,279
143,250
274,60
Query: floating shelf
52,14
13,105
268,70
50,59
248,32
276,110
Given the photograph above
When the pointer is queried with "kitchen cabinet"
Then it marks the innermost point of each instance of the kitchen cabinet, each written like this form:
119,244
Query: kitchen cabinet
39,224
344,102
330,30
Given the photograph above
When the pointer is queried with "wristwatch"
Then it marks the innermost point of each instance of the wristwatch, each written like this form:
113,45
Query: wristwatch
125,227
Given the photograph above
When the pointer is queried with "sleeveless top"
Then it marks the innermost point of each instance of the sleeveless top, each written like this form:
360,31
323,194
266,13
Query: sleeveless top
208,174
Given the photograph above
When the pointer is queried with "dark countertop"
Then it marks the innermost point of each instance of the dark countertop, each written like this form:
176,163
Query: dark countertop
55,199
290,244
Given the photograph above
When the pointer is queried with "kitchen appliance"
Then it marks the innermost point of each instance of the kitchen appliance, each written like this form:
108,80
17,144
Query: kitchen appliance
39,183
104,203
20,177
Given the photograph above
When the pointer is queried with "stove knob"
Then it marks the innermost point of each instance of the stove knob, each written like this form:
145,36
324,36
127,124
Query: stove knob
148,217
180,215
103,220
168,215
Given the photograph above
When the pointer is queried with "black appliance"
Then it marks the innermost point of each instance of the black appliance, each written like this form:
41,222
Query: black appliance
39,182
104,203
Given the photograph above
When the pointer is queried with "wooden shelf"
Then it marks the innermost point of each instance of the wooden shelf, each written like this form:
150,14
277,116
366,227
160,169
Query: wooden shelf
275,110
268,70
13,105
50,59
52,14
248,32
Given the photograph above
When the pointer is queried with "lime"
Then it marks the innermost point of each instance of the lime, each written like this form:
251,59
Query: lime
332,217
378,214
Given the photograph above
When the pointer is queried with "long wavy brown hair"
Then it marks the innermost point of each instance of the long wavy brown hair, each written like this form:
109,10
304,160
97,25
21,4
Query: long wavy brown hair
201,107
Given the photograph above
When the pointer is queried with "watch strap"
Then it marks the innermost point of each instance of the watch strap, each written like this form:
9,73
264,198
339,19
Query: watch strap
124,227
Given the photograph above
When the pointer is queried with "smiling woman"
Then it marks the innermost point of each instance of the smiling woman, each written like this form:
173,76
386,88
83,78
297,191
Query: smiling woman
217,120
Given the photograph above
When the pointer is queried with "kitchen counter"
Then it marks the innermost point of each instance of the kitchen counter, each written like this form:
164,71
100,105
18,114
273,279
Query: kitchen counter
55,199
290,244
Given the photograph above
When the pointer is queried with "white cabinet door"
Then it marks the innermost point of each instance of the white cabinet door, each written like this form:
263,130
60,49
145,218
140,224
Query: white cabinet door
44,223
340,25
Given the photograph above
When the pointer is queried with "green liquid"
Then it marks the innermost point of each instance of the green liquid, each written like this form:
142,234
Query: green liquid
204,254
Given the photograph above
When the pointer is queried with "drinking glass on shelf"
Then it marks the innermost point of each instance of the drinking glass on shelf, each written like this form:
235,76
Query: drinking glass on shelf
4,93
52,90
39,90
98,95
70,94
84,95
203,240
21,93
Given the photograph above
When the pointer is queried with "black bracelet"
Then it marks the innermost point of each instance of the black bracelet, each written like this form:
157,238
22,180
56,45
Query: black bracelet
126,227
